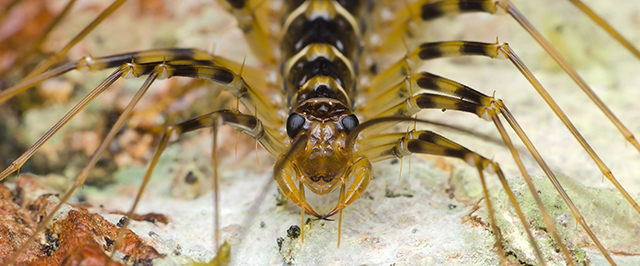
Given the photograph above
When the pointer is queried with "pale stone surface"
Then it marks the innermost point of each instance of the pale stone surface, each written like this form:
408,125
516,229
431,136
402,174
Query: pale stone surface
428,228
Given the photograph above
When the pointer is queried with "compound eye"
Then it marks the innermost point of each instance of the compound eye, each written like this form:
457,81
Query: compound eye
294,124
350,122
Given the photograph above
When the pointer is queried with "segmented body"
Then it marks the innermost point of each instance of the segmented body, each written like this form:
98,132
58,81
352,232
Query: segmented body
369,238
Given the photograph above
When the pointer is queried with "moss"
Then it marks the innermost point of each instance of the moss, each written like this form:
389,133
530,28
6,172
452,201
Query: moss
597,206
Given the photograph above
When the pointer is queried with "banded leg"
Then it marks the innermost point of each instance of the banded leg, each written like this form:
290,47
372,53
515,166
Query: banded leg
502,50
490,111
163,70
186,68
424,11
155,71
426,51
243,123
417,83
427,142
388,146
158,72
143,57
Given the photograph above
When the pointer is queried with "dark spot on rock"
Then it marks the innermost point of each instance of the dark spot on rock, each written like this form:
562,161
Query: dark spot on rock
82,199
367,195
293,231
190,178
144,262
390,194
452,206
262,224
280,240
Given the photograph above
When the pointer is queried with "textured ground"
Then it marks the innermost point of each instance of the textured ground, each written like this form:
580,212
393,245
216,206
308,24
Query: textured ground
420,221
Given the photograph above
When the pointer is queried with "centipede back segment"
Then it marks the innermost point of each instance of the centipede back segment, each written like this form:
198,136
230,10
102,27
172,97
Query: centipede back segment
337,94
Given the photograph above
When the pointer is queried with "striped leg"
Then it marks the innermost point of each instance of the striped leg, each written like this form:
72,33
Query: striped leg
158,71
243,123
427,51
271,140
165,69
425,10
143,57
253,100
427,142
419,83
472,99
487,108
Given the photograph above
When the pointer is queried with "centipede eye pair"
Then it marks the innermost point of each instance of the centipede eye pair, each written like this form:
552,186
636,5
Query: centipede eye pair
296,121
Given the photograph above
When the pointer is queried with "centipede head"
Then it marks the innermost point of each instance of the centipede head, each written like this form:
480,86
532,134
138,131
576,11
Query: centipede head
323,161
318,158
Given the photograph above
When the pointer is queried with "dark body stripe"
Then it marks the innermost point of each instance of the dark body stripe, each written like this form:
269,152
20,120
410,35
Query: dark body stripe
321,39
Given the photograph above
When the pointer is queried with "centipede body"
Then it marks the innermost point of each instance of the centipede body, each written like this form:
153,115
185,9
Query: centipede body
473,69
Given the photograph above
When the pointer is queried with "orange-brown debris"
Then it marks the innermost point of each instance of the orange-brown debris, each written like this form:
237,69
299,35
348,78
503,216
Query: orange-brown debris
80,237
